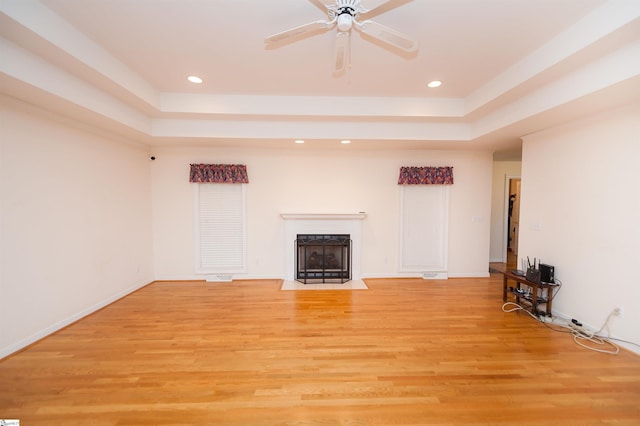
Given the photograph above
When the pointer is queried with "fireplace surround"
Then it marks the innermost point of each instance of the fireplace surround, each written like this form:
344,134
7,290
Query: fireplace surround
323,223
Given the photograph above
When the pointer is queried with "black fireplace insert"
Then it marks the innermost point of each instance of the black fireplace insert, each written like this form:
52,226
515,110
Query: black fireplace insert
323,258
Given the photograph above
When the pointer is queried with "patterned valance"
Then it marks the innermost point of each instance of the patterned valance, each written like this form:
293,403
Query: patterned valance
426,176
218,173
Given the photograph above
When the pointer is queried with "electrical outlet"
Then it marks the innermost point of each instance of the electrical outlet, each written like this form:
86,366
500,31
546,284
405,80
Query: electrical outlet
618,311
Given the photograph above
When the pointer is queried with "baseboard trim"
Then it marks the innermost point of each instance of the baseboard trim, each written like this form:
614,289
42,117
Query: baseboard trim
203,277
27,341
420,275
471,275
623,344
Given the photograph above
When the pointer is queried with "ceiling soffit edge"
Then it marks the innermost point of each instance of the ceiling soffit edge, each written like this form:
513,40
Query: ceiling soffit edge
412,113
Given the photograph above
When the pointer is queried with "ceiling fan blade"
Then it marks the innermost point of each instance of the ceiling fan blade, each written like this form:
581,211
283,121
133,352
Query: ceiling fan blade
341,51
372,8
371,5
389,36
323,4
302,29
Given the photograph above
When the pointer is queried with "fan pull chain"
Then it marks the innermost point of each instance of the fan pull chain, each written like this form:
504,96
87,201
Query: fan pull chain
349,54
348,70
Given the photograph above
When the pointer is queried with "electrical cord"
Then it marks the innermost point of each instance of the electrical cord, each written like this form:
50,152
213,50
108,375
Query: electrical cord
517,308
608,337
597,339
554,294
550,294
625,341
578,336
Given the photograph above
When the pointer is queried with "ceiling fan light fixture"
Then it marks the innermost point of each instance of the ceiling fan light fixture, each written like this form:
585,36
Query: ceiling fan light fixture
345,22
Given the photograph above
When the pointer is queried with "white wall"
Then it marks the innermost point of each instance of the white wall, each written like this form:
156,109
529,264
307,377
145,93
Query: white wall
87,218
302,180
501,170
580,212
75,222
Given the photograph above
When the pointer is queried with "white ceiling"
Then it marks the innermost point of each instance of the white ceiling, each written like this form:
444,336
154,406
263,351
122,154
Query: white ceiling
509,67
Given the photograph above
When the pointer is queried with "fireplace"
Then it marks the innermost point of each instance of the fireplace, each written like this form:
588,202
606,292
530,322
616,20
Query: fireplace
323,258
318,224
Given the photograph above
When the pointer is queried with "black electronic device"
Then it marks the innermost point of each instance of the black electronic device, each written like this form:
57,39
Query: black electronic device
547,274
533,273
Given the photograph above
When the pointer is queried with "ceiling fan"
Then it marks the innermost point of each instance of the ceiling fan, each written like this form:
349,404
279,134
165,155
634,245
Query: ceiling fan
346,14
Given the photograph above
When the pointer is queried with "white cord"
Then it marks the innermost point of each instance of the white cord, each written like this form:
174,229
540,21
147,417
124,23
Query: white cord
577,336
600,340
517,308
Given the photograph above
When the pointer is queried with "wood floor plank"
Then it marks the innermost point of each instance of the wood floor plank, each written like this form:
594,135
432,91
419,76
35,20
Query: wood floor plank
404,352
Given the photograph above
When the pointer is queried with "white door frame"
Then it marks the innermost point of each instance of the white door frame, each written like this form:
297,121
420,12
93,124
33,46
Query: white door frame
505,235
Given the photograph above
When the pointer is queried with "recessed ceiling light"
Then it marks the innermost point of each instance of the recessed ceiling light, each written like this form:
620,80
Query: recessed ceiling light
194,79
299,141
435,83
345,142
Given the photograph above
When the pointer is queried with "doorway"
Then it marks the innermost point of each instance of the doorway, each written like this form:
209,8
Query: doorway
512,224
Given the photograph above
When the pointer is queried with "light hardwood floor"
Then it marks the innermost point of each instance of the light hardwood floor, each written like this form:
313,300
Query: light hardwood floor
404,352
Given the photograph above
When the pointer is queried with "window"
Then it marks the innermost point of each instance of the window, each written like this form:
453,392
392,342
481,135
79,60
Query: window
220,228
424,228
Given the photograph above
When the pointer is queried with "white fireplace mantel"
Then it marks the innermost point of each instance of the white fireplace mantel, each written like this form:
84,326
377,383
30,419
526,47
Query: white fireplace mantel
323,216
323,223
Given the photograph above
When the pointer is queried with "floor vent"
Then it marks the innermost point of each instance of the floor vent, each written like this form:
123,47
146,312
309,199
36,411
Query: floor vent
434,276
219,278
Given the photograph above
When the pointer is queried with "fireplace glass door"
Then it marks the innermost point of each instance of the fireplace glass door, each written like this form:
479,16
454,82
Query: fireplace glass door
323,258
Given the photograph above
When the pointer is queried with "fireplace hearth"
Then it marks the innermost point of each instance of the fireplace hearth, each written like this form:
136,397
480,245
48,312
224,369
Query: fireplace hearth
323,258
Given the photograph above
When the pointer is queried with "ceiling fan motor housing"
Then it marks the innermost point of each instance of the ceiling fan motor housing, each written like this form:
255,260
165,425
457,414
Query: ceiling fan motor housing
345,12
345,7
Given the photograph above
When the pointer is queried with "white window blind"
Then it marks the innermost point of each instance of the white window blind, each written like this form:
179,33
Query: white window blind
424,228
221,230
